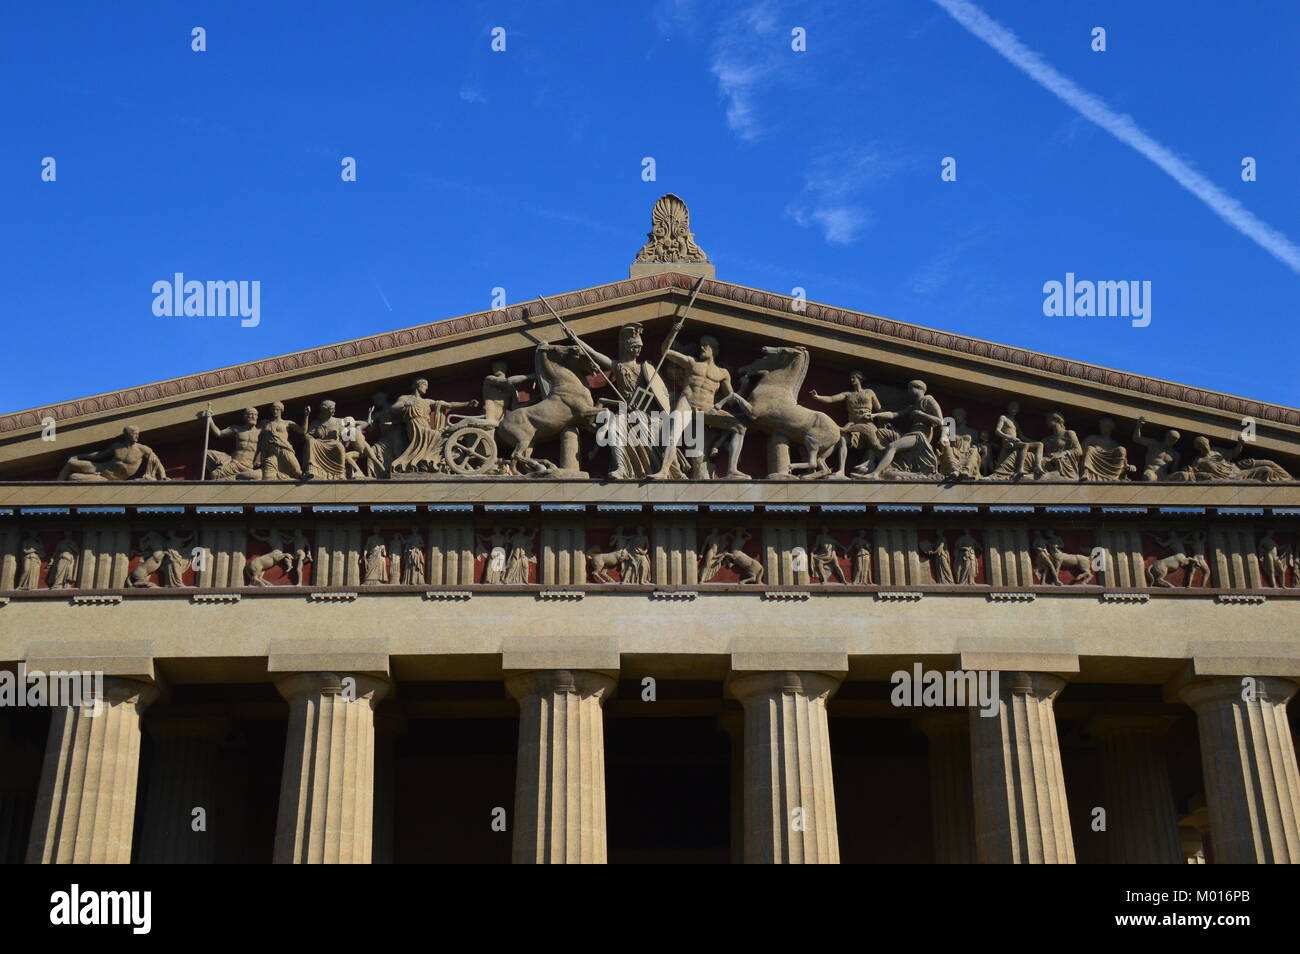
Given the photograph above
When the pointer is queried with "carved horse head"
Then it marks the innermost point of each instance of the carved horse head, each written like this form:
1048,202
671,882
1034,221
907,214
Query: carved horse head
785,366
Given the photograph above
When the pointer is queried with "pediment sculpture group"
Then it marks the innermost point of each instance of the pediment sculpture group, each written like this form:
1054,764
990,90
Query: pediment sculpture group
416,435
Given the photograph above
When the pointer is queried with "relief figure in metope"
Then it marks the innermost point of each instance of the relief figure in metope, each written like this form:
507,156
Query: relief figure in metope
772,384
162,554
861,432
301,554
715,548
413,560
824,559
31,555
599,563
860,555
279,542
520,558
494,546
1274,558
1161,458
1211,464
64,563
634,567
940,559
374,561
912,453
968,551
396,547
746,567
1104,458
1051,559
123,459
242,463
1176,542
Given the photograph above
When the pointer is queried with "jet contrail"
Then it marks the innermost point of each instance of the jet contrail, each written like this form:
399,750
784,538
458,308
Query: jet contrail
1124,129
380,290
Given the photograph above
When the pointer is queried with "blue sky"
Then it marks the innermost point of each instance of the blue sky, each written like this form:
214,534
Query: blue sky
522,169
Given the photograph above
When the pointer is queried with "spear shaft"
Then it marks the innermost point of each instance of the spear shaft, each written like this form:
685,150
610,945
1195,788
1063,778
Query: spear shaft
569,331
672,335
207,430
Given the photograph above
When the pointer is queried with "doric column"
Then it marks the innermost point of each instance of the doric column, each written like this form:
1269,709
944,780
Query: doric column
1248,761
560,778
1020,807
85,807
327,790
186,775
952,800
789,788
1141,825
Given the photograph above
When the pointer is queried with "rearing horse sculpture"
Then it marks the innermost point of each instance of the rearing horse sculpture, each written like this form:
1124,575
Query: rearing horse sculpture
774,407
566,402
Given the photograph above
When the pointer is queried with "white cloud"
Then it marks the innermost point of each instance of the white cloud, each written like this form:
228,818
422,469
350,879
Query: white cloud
471,94
832,183
745,55
840,224
1123,128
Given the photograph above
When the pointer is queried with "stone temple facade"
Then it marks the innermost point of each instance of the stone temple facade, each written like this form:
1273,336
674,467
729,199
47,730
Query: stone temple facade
664,570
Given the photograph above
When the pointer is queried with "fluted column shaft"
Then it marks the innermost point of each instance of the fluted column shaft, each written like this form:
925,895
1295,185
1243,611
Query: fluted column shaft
560,778
1141,824
186,775
85,807
789,787
1020,806
1252,788
327,789
952,799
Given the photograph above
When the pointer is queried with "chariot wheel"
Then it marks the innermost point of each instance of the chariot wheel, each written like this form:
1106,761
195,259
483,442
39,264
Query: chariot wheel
471,451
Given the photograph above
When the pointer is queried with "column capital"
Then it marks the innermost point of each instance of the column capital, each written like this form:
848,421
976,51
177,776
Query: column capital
750,685
120,689
583,682
1040,685
364,686
1203,692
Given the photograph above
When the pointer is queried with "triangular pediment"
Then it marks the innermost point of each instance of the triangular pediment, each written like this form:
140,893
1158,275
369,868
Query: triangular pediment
455,353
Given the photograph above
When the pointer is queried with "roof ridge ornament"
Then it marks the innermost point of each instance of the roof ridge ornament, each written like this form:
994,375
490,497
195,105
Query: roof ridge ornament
670,245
